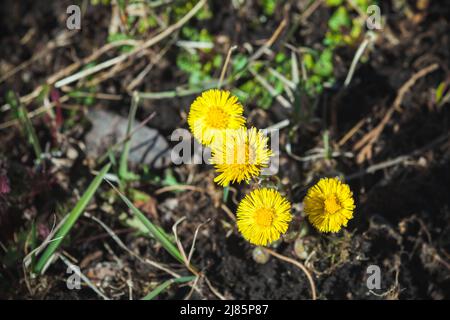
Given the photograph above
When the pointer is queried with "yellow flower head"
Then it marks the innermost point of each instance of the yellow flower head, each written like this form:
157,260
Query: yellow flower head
212,112
329,205
263,216
240,155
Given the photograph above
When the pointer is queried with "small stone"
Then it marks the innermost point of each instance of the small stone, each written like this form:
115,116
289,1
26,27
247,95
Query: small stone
72,153
147,145
260,256
299,249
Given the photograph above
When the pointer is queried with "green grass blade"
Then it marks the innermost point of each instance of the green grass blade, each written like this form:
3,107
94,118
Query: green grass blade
71,219
25,122
33,242
163,286
226,192
123,165
156,232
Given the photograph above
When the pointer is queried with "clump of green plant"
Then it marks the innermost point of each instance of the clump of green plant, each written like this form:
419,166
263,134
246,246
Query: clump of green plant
319,67
345,28
252,90
268,6
198,63
182,7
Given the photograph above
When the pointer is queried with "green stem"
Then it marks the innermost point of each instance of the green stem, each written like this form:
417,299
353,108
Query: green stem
165,285
123,165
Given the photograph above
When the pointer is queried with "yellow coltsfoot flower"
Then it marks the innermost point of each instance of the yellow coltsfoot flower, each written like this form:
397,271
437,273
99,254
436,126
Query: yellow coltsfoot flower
240,155
263,216
329,205
212,112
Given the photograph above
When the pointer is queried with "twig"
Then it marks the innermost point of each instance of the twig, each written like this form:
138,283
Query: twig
96,95
298,264
310,10
195,44
179,245
365,144
177,92
97,53
107,74
225,66
178,187
408,84
228,211
370,37
60,41
191,252
277,126
214,290
111,62
82,276
27,260
270,42
181,249
136,81
351,132
124,247
42,109
400,159
87,72
194,287
282,100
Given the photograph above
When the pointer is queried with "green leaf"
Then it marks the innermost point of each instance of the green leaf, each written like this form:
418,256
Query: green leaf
324,66
440,92
71,219
269,7
340,19
124,174
157,233
155,292
169,178
308,60
239,62
334,3
226,192
364,4
120,36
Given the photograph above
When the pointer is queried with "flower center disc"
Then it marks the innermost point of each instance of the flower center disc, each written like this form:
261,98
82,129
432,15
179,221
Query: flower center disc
332,204
217,118
264,217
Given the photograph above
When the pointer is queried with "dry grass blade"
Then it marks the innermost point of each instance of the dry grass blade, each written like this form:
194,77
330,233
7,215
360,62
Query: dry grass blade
151,42
159,235
225,66
123,246
298,264
366,142
77,271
